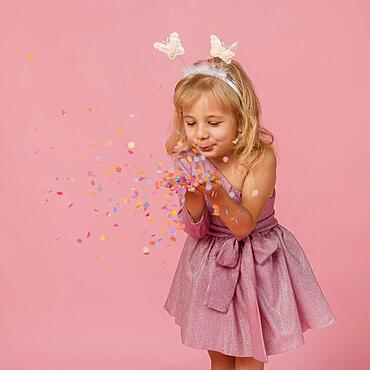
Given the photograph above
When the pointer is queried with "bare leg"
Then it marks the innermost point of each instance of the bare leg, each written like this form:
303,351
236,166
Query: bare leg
220,361
248,363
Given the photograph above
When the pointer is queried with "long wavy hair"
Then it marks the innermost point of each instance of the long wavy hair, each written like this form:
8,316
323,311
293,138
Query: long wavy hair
253,138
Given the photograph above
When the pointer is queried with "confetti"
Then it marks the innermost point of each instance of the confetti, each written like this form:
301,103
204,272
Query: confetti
131,145
91,173
146,250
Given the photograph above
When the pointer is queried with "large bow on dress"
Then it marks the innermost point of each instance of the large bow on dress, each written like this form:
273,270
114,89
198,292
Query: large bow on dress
225,275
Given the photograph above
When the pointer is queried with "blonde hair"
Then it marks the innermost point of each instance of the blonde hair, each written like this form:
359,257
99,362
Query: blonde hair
252,143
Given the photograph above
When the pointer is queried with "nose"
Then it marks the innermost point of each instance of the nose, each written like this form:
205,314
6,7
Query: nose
201,132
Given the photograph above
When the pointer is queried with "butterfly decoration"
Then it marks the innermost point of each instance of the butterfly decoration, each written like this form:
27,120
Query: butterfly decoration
218,49
171,47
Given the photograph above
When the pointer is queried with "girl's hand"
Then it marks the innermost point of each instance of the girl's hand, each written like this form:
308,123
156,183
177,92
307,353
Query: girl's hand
212,187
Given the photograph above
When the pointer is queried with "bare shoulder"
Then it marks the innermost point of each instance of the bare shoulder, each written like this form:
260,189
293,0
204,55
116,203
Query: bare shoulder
259,184
266,164
268,159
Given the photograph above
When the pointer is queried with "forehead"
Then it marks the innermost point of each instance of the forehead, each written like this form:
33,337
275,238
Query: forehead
204,106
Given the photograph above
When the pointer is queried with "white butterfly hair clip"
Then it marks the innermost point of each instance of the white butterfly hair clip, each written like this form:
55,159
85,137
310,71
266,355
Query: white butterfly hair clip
218,49
171,47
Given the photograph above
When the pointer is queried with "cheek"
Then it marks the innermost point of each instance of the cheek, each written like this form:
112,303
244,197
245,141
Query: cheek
223,135
188,133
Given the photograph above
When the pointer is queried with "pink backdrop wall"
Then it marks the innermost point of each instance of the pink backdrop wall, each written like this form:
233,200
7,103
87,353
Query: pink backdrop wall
78,81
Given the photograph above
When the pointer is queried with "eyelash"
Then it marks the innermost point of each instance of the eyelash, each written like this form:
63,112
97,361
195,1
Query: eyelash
212,123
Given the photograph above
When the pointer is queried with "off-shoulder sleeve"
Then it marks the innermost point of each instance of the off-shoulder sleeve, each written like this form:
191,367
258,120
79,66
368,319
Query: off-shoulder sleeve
195,229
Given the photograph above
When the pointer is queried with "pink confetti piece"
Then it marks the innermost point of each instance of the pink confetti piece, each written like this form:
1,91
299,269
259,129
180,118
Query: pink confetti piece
91,173
70,205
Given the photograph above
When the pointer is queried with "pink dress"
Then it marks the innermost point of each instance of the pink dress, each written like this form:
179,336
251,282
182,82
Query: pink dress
252,297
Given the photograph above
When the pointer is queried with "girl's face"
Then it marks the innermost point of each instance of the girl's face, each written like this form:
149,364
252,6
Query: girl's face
209,128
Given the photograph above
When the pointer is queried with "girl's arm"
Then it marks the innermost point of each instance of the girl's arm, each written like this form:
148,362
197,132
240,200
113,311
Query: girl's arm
193,211
251,207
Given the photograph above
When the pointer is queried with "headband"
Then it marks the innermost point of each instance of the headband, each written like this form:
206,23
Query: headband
172,48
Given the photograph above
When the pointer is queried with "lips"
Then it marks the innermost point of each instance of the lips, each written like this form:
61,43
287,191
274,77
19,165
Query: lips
204,147
207,148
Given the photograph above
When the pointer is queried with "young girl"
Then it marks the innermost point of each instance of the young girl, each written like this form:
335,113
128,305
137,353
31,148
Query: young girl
243,288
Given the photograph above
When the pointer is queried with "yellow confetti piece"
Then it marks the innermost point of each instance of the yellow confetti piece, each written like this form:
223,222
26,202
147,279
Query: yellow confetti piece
179,143
174,212
161,230
125,200
109,142
31,58
131,145
107,173
102,237
146,250
120,130
215,206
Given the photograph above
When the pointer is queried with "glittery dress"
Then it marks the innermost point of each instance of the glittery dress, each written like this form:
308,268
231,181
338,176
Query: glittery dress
249,297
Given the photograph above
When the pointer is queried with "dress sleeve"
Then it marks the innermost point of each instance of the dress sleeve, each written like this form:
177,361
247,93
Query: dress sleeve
198,229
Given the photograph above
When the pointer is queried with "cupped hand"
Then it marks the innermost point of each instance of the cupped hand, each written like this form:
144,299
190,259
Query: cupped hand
212,187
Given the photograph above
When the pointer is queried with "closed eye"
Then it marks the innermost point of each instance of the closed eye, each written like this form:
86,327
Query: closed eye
212,123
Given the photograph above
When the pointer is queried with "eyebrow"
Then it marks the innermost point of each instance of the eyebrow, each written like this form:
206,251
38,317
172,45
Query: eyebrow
211,115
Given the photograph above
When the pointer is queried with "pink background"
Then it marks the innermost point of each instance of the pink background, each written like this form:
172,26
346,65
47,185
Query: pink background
97,305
